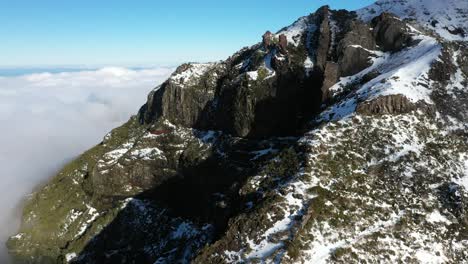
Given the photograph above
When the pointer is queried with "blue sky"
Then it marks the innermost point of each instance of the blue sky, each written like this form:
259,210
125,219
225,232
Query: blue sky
140,33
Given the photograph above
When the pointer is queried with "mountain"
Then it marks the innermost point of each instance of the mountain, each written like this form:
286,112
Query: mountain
342,138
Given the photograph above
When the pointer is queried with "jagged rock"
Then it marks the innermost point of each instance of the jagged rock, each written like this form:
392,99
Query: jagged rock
456,31
267,37
443,69
390,104
390,32
351,52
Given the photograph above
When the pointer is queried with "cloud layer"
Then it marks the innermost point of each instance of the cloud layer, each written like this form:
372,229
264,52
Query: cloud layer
47,119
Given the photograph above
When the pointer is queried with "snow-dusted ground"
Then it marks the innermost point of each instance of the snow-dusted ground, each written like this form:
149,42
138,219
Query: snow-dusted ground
363,211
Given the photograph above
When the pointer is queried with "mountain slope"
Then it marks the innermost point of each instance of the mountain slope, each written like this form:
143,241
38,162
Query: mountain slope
342,138
448,19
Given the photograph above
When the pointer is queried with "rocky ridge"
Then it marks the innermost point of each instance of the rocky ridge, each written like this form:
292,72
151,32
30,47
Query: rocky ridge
340,139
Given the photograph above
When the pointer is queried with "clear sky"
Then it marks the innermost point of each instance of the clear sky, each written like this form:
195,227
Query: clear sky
144,32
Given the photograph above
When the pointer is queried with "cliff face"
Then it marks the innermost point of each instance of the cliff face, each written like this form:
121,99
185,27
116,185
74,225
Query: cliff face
342,138
240,95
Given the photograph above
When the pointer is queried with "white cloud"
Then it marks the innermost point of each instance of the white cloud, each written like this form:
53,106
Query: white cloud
47,119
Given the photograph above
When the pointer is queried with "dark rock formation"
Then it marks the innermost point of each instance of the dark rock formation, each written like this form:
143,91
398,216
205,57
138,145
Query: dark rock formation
390,32
220,100
456,31
181,101
349,55
283,43
267,37
354,48
331,75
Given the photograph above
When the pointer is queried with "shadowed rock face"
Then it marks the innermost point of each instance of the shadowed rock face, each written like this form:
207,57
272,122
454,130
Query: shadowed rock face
348,53
354,49
390,32
391,104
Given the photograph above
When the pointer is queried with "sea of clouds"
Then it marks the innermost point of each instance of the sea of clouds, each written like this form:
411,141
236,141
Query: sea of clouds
49,118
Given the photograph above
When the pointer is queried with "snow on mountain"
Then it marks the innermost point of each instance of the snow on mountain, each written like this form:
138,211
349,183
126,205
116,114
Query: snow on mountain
400,73
338,140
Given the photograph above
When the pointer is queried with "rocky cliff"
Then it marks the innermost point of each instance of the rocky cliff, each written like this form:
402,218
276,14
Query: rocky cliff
342,138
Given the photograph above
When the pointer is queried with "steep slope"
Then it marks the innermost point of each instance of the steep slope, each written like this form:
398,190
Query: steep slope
342,138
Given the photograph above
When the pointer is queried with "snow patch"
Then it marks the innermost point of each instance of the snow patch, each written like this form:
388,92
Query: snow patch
93,214
294,32
193,72
70,256
147,154
253,75
436,217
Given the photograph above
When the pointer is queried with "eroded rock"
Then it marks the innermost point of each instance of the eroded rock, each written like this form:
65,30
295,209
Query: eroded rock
390,104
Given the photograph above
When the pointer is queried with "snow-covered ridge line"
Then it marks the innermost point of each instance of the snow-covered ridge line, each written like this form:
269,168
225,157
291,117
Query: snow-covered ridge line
447,18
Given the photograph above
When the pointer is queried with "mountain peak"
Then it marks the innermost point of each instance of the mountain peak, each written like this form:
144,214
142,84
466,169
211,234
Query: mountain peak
449,18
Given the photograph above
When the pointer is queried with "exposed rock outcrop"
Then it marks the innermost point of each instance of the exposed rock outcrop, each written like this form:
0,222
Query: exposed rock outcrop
283,43
343,50
390,32
184,97
267,37
355,49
